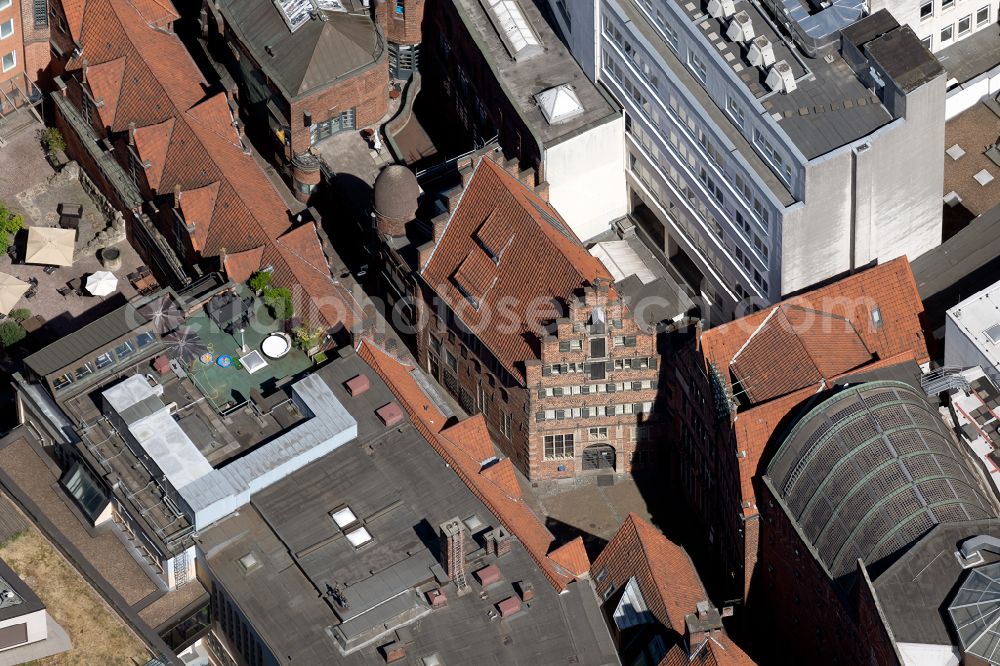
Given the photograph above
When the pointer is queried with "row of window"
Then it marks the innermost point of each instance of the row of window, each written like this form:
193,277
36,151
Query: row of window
617,341
103,361
959,29
588,389
635,363
562,445
594,412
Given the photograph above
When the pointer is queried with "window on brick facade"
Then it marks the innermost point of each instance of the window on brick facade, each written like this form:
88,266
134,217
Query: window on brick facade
6,28
400,7
9,61
505,424
598,433
558,446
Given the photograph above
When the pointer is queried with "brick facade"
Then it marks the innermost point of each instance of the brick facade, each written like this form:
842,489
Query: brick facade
366,93
30,45
800,612
401,27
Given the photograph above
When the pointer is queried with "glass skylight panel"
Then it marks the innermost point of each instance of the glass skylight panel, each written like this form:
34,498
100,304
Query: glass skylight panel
295,12
510,19
359,537
344,517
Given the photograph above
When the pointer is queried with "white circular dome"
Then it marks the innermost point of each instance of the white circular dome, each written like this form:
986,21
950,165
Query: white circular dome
276,345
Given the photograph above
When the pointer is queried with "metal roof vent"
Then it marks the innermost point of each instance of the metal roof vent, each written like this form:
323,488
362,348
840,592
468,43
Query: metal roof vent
780,77
721,8
740,28
761,52
559,104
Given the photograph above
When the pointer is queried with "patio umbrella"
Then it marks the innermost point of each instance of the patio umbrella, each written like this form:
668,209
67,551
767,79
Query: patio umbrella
164,313
102,283
185,344
51,246
11,290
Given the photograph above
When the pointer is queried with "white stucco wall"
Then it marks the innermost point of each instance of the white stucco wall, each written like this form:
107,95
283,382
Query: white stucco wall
908,12
36,628
586,177
968,94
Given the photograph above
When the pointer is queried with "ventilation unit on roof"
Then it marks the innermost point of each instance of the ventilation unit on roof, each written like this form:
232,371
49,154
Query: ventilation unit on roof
721,8
780,77
740,28
761,52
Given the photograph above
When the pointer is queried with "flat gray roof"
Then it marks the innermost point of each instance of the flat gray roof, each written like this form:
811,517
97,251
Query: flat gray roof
830,106
915,590
91,337
523,79
977,54
317,54
401,489
26,600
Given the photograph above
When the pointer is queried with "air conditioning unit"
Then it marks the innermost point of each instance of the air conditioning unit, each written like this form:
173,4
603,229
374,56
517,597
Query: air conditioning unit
780,77
761,52
721,9
740,28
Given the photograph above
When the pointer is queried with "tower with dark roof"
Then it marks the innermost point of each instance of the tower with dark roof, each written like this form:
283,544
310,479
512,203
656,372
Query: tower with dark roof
395,200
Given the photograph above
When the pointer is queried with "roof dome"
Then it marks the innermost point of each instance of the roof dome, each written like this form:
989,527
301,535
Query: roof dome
396,193
869,471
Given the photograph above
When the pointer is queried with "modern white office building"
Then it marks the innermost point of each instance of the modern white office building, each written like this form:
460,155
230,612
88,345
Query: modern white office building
770,146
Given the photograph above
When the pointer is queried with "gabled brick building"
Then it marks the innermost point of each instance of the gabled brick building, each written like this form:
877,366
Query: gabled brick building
135,112
738,383
518,321
655,604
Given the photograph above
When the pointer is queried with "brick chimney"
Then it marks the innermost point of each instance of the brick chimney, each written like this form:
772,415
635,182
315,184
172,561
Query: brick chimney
699,626
498,542
453,554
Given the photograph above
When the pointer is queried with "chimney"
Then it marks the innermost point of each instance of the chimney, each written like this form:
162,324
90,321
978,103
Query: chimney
437,226
542,189
465,173
453,554
498,542
84,66
513,167
131,133
528,177
177,195
699,626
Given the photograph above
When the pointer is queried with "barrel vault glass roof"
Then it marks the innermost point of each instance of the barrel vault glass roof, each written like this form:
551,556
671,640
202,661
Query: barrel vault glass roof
975,612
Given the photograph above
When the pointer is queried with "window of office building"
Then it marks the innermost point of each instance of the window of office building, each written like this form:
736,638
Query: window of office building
558,446
697,66
6,28
735,110
669,32
982,16
947,4
965,25
9,61
926,9
947,33
926,41
4,4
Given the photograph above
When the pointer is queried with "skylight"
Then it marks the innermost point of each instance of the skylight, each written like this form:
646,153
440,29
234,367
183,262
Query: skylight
344,517
359,537
295,12
512,25
559,104
993,333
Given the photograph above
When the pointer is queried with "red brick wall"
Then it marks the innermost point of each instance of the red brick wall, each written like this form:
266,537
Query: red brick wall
796,605
367,93
621,429
404,28
13,43
36,42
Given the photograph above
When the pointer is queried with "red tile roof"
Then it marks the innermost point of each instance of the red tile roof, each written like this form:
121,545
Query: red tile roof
151,143
718,650
809,346
830,346
665,573
670,586
240,266
105,82
572,557
198,207
190,142
464,446
889,287
506,246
